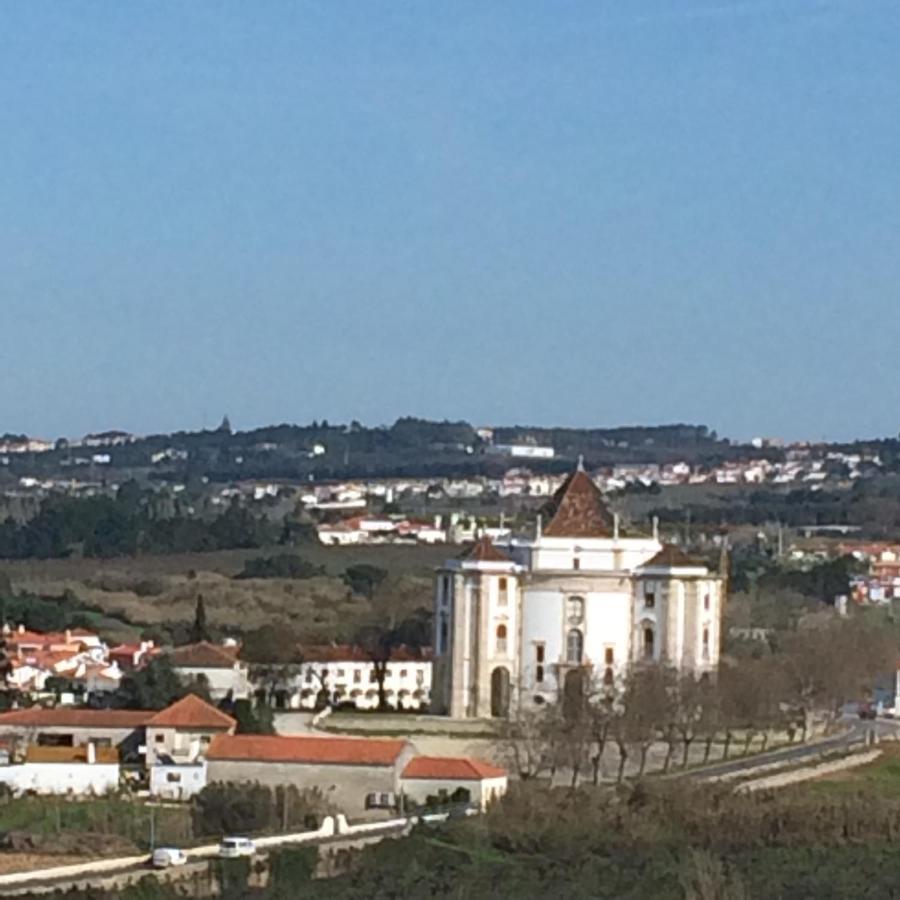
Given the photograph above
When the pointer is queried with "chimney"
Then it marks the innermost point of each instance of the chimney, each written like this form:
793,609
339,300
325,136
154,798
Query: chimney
539,526
656,528
91,753
615,526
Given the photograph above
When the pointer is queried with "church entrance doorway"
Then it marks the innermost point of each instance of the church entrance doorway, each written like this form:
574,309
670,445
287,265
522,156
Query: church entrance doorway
500,692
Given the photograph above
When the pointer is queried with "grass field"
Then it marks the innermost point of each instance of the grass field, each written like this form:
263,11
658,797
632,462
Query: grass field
881,776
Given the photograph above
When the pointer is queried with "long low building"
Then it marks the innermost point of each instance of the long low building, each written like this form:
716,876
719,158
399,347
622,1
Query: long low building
180,732
447,778
358,775
74,771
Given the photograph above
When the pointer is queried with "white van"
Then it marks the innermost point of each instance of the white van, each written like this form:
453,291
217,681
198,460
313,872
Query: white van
163,857
231,847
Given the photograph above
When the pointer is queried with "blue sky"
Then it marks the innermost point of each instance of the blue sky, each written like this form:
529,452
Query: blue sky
582,213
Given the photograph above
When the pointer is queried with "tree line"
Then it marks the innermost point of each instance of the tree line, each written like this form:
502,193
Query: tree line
125,525
810,675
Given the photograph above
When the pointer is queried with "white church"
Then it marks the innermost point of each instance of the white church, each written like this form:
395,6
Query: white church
575,603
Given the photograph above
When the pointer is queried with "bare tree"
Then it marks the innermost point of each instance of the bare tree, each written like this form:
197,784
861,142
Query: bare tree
645,704
526,741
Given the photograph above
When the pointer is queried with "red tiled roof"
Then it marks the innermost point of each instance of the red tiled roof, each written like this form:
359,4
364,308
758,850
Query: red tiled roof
448,768
191,712
71,717
204,655
577,509
340,751
352,653
672,557
483,550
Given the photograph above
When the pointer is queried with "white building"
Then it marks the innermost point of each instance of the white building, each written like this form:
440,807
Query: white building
76,771
576,602
345,674
225,675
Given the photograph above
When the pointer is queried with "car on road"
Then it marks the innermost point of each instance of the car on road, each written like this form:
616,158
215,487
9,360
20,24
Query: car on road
867,711
164,857
232,847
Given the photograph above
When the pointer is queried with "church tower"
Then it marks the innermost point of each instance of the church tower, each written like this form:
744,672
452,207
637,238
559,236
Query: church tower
477,625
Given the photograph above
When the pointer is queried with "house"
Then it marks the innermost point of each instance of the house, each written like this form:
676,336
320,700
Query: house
78,771
443,777
182,732
357,774
343,673
64,726
178,780
129,657
225,675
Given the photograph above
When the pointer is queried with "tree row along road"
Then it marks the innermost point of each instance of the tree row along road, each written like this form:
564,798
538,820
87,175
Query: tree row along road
855,733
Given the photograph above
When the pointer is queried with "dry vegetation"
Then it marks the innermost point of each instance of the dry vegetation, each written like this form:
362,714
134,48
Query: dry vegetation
157,592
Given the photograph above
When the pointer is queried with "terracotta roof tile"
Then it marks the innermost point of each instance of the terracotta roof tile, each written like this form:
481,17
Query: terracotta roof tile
577,509
353,653
483,550
72,717
448,768
340,751
191,712
203,655
672,557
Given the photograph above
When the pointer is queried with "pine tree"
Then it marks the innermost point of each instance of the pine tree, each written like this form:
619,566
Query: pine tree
199,631
5,661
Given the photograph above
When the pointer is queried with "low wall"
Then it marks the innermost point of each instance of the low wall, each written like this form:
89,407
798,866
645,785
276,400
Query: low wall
807,773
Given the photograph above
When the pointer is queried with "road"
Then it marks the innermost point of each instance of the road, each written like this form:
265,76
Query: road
854,733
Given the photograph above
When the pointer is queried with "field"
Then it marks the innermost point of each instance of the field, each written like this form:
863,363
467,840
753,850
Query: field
157,593
881,777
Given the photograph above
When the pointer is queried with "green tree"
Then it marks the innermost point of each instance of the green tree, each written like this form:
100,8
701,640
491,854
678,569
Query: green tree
155,686
253,718
199,630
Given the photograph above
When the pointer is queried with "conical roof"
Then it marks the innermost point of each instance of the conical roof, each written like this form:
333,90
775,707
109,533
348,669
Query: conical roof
577,509
483,550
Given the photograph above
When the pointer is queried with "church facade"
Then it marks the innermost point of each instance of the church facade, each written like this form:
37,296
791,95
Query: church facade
576,603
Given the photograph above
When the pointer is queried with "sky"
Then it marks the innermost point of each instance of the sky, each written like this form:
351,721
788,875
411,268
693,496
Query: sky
577,213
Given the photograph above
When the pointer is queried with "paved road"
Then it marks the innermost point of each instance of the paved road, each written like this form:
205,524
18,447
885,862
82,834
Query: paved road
854,733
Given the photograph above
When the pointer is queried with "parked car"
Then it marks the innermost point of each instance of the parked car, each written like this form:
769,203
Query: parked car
231,847
163,857
867,711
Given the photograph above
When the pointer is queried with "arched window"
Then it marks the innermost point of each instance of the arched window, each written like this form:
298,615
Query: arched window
608,677
706,601
649,643
574,647
706,643
501,639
